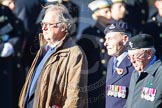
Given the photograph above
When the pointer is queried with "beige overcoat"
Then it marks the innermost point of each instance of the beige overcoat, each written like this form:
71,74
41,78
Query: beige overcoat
63,79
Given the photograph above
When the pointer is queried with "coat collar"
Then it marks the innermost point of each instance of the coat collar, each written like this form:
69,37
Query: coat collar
63,45
62,49
153,68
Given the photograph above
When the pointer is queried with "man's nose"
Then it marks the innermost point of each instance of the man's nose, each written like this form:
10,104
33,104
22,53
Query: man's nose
105,43
44,28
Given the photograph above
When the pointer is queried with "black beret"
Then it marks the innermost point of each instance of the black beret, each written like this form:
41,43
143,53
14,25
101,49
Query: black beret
117,26
140,41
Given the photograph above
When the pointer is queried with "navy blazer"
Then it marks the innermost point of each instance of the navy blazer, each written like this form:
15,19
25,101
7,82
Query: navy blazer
118,80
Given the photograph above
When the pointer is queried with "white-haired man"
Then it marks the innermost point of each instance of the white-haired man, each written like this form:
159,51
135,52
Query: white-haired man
58,76
145,90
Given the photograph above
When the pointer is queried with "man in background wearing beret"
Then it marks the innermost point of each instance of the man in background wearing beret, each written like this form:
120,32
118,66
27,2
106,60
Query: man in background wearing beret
119,68
92,42
145,90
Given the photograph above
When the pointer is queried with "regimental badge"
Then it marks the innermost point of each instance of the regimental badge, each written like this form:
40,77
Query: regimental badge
131,44
116,91
148,93
112,26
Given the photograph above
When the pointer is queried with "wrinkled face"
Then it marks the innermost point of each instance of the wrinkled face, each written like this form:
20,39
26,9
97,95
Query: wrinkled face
104,15
115,43
52,29
118,11
139,58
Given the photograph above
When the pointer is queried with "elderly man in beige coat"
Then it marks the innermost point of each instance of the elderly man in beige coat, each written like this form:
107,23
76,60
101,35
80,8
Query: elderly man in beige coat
57,78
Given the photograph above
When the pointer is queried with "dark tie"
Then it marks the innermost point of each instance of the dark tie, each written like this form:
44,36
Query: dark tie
142,76
115,64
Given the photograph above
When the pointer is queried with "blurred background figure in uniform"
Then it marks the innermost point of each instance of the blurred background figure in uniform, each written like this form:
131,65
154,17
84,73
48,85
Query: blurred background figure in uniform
118,12
9,3
131,11
154,27
73,9
92,42
118,9
28,11
11,41
137,13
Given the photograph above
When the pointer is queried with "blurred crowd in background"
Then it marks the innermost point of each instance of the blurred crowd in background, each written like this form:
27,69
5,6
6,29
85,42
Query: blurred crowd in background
20,25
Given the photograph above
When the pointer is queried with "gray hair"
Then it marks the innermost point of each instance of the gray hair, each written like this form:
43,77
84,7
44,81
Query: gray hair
153,50
63,16
127,33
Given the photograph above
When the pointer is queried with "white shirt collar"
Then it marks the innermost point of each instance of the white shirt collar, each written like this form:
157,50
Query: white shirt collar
52,46
121,57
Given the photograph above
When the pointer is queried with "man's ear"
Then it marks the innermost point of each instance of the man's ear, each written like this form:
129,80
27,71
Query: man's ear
149,54
125,39
63,27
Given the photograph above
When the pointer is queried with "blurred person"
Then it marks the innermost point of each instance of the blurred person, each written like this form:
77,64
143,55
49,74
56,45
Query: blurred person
119,12
118,9
9,3
145,85
28,11
119,68
137,12
57,78
12,74
154,27
91,42
74,11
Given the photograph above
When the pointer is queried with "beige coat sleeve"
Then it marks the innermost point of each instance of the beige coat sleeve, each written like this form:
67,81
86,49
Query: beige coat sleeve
77,83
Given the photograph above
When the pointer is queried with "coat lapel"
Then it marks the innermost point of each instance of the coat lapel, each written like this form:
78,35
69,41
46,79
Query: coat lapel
112,78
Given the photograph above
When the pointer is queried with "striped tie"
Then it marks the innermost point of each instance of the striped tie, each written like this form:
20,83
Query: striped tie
115,64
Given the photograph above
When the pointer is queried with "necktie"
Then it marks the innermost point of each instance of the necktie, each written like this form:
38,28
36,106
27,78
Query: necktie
115,64
46,49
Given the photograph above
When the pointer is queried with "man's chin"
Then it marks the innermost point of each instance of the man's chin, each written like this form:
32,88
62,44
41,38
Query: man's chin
110,54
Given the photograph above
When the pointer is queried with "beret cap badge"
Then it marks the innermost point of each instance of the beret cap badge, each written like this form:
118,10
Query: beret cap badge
117,26
141,40
131,44
112,26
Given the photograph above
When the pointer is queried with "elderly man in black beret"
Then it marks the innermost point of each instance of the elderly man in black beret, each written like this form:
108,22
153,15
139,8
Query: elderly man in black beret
119,68
145,90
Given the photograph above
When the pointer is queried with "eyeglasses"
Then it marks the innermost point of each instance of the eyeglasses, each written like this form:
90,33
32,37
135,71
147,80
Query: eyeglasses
46,24
137,56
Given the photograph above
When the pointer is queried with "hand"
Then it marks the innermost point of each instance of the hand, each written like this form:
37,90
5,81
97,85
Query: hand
7,50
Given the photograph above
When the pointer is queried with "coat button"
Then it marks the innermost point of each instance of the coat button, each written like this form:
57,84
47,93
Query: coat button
101,40
103,61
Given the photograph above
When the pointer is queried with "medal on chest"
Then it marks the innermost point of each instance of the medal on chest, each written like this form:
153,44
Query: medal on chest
116,91
148,93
